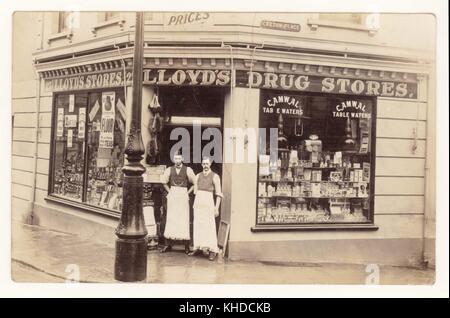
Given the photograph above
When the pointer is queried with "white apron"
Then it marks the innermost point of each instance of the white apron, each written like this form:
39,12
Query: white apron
177,220
204,222
150,224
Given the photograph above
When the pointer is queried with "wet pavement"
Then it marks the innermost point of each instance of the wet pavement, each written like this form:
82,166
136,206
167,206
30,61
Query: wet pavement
44,255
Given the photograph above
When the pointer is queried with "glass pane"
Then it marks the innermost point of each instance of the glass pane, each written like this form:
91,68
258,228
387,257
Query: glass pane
106,146
63,20
69,143
321,170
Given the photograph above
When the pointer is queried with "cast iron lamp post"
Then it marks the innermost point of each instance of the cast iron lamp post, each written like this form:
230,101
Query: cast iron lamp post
131,244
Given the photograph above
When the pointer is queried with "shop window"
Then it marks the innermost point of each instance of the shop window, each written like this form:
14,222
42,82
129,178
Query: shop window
322,169
88,148
68,147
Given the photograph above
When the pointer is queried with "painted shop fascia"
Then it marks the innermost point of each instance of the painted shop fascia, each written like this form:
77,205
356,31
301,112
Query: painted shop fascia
261,71
241,78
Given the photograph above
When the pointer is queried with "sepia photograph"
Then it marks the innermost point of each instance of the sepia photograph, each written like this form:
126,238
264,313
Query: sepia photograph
223,147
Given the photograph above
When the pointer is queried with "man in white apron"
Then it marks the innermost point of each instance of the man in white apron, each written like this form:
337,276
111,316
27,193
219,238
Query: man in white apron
205,211
176,180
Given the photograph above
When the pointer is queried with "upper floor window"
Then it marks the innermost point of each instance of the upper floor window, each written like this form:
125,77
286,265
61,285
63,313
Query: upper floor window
148,16
353,18
110,15
354,21
64,21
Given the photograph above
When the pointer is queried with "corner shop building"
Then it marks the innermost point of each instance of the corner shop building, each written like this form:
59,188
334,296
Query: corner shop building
388,221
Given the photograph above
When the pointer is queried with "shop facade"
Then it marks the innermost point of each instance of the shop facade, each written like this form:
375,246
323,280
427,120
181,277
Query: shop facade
348,179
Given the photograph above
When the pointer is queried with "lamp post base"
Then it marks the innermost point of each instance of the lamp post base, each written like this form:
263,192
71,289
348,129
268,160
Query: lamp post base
131,260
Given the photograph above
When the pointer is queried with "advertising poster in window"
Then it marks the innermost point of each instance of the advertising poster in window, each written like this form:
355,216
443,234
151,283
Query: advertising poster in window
71,103
70,121
60,123
287,105
81,122
107,122
69,138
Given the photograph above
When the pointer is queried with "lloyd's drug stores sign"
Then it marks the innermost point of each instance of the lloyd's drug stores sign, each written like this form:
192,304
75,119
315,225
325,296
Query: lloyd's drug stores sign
240,78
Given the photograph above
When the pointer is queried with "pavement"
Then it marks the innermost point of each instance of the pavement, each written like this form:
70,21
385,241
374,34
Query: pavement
42,255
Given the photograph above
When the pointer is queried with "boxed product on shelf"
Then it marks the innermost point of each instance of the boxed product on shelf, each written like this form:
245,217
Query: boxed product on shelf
262,189
264,165
300,173
293,158
316,175
366,171
270,190
261,208
360,175
296,191
307,174
324,189
315,190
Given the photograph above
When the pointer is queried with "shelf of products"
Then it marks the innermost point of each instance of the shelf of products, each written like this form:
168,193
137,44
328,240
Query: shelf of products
68,157
301,193
304,194
105,177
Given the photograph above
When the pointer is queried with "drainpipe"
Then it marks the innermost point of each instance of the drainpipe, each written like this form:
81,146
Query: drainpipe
30,217
430,185
233,78
124,70
250,85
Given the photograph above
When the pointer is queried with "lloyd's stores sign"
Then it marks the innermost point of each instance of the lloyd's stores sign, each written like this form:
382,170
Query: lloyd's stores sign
241,78
88,81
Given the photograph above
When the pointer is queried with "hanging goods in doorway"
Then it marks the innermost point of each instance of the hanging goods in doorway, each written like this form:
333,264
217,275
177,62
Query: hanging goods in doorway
155,128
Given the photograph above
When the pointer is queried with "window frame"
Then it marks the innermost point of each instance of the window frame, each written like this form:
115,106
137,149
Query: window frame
315,22
103,22
111,15
56,32
61,199
370,224
62,16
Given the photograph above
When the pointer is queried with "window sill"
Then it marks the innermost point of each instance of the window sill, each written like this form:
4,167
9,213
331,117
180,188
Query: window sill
314,227
117,21
83,206
315,23
61,35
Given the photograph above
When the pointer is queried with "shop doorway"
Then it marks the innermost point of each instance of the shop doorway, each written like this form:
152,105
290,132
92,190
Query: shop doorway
183,106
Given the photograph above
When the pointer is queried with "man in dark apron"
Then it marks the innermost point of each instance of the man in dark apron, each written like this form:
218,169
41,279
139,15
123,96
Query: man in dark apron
176,180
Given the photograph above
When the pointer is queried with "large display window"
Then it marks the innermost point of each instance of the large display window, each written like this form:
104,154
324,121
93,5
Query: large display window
88,148
322,169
